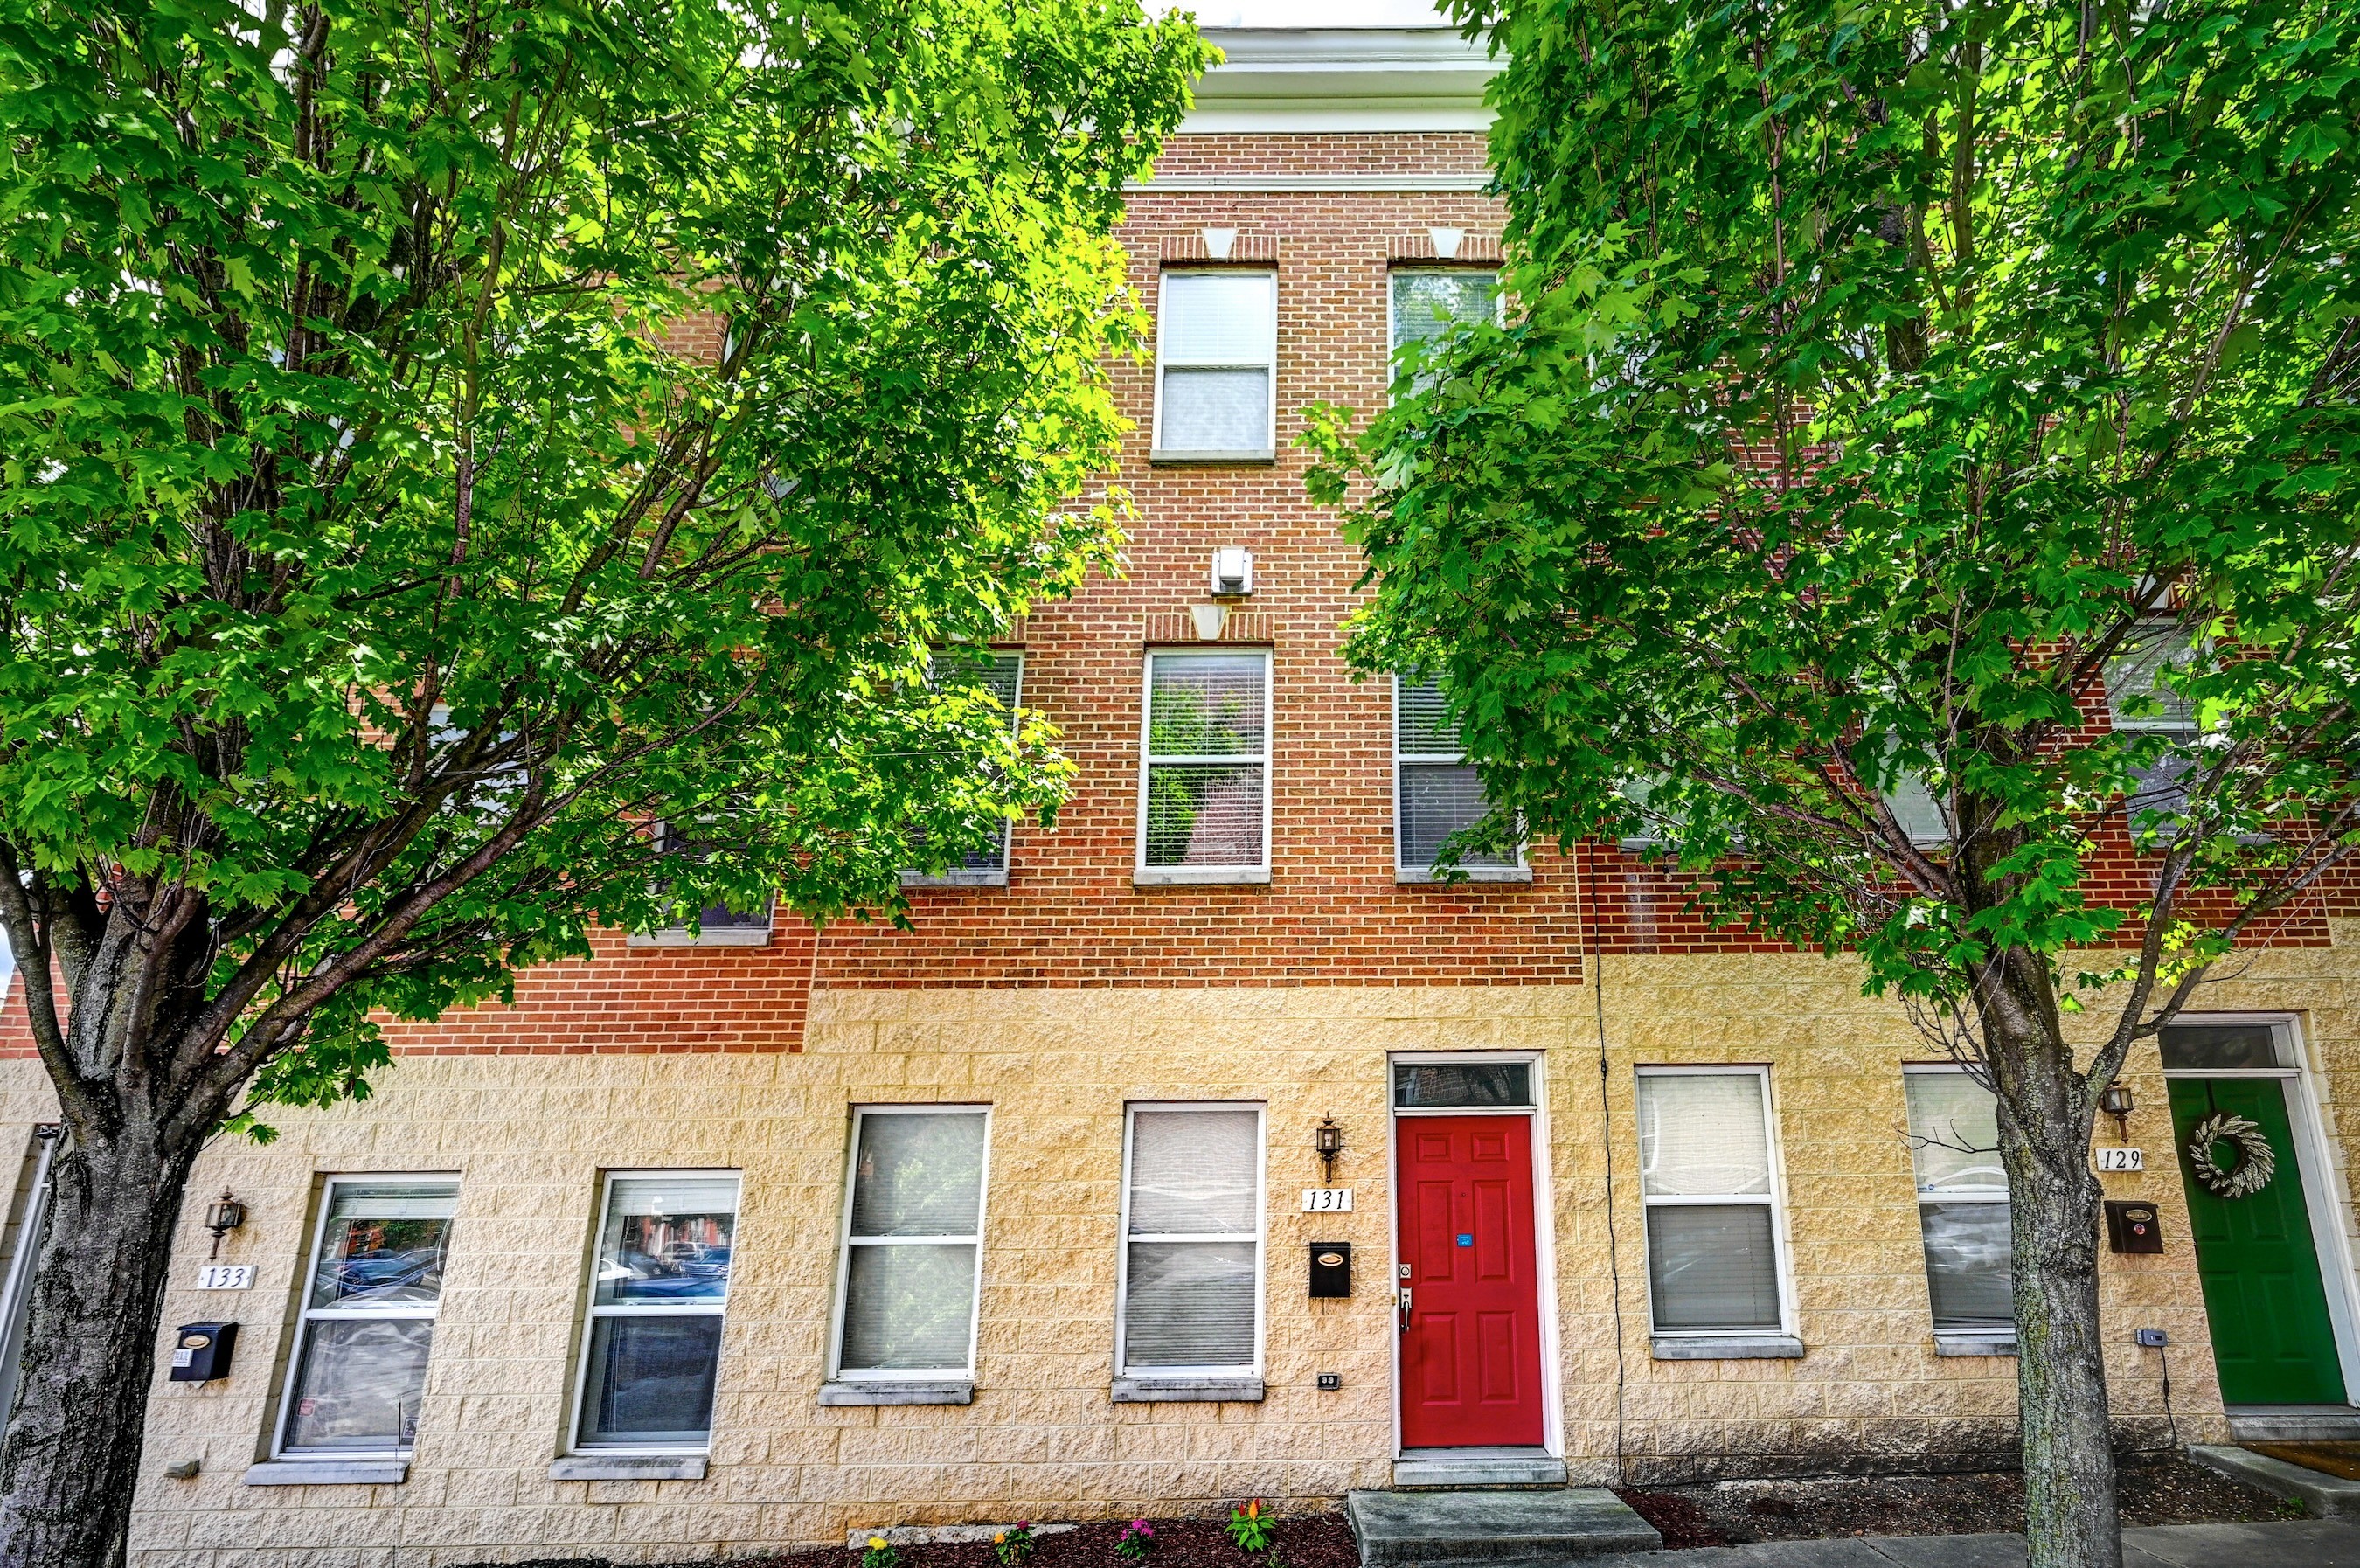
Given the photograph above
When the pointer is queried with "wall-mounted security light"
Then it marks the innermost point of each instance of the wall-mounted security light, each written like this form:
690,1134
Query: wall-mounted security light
1232,570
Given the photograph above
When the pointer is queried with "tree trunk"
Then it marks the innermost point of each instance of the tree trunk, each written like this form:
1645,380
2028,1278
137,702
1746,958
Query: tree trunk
2044,1137
72,1456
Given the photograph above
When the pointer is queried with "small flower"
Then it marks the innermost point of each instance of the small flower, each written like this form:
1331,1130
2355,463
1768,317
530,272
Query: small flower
999,1537
876,1540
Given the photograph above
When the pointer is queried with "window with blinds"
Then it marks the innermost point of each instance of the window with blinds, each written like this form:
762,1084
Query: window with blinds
1217,358
1714,1264
1205,794
718,924
1002,675
912,1242
1436,791
368,1318
1428,302
658,1288
1962,1200
2142,697
1192,1224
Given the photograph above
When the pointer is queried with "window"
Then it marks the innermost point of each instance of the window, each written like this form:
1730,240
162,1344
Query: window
1002,675
913,1243
1425,1085
1192,1217
2141,699
1714,1254
1216,355
1427,302
1961,1202
367,1317
2198,1044
1204,809
657,1289
718,925
1436,791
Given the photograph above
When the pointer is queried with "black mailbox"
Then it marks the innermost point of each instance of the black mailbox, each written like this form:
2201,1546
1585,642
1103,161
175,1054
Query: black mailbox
2132,1226
1331,1268
201,1351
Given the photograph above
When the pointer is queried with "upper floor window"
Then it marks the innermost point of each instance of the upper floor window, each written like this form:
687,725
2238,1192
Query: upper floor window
1204,802
1428,302
718,925
1217,358
1436,791
986,865
2143,696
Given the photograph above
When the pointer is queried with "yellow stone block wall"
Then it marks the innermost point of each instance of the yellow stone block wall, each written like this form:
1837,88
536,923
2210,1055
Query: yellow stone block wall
529,1138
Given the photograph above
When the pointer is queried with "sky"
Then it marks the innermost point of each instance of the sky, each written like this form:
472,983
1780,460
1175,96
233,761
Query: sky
1312,13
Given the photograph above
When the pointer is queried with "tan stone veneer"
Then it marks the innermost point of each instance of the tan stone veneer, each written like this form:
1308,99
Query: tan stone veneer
529,1136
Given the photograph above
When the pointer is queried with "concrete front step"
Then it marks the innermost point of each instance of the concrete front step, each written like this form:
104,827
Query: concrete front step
2294,1423
2322,1496
1428,1467
1411,1529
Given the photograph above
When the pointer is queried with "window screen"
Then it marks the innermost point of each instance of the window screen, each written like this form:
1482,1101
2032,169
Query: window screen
1962,1208
657,1289
1192,1240
1218,353
1002,675
1427,304
1207,761
1705,1177
367,1323
914,1242
1436,791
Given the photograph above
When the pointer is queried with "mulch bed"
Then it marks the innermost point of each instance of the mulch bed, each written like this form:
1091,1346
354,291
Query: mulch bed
1731,1513
1727,1513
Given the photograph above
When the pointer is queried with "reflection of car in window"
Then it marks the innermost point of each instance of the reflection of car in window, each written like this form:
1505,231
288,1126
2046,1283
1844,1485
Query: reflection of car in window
373,1273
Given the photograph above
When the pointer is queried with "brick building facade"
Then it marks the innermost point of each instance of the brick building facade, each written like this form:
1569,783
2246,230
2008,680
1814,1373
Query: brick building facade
708,1246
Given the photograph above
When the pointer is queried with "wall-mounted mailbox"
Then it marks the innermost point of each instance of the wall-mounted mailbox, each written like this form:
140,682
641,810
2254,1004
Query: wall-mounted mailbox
2132,1226
201,1351
1331,1268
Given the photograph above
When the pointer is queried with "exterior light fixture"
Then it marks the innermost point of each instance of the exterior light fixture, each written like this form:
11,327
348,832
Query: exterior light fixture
2114,1099
1328,1140
223,1215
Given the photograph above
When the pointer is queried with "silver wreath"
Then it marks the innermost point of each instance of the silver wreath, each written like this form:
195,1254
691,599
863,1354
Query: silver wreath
2256,1161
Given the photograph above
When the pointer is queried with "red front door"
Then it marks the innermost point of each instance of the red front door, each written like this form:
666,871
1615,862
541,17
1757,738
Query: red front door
1470,1353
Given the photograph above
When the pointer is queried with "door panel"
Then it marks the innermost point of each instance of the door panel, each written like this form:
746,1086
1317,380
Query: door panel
2271,1336
1472,1353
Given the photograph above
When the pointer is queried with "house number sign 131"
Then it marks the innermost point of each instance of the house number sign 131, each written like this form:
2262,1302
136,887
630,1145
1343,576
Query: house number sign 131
2121,1159
1327,1199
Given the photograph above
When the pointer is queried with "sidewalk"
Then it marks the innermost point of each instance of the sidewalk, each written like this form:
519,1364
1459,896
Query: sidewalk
2297,1544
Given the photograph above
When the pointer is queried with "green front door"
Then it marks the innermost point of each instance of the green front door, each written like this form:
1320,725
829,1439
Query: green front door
2271,1338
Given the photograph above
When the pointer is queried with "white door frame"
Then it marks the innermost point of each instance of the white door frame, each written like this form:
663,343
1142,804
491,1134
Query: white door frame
2322,1184
1544,1211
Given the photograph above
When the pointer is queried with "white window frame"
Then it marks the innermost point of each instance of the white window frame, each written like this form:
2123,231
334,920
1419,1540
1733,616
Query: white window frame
1268,451
1955,1338
1392,309
846,1241
1123,1238
1144,874
716,936
1403,870
964,877
1774,1199
306,1314
2183,733
592,1312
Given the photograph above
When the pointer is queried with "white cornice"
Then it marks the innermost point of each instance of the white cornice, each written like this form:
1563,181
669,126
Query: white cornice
1342,79
1455,181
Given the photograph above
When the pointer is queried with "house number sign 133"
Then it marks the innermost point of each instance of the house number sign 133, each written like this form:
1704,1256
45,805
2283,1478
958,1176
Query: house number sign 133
225,1276
1327,1199
2121,1159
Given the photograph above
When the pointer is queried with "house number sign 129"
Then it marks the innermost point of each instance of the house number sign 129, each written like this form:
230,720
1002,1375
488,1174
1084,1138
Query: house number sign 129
225,1276
2121,1159
1327,1199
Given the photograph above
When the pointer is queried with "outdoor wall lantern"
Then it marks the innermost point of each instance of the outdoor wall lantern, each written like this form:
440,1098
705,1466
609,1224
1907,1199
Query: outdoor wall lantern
1328,1140
223,1215
2114,1099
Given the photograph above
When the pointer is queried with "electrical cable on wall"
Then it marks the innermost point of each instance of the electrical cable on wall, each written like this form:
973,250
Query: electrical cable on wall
1606,1141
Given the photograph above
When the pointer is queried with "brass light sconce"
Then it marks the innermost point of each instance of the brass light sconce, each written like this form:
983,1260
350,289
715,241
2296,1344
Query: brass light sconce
223,1215
2114,1099
1328,1140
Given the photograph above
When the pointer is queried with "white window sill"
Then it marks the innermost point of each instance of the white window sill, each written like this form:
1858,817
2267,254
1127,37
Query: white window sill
899,1391
1997,1343
329,1473
1188,1390
955,879
628,1467
1199,876
1726,1347
718,936
1424,876
1252,458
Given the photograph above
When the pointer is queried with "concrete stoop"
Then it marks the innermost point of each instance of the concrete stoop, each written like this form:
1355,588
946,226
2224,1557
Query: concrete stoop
2324,1496
1420,1529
